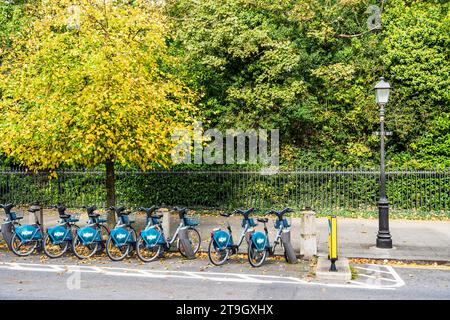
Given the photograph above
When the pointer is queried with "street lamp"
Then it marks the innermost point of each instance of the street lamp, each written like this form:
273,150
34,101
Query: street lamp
384,239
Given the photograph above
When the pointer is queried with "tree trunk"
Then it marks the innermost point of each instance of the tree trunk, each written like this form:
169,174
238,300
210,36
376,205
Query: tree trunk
110,191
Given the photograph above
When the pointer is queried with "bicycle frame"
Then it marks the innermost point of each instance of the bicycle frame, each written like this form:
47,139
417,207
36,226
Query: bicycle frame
169,240
276,241
243,233
272,247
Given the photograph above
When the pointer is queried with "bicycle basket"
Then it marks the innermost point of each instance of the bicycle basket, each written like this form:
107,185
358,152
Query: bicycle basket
191,221
126,219
74,218
13,216
103,218
251,222
286,223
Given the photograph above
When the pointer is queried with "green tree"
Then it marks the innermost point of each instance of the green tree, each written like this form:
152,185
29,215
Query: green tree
307,67
90,85
417,59
248,60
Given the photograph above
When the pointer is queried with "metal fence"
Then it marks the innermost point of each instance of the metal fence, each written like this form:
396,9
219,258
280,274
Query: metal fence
322,189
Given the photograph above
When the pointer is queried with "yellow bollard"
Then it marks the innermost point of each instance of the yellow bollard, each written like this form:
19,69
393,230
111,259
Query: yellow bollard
332,242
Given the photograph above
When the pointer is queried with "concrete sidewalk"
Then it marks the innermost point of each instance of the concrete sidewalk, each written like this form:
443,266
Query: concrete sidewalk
412,239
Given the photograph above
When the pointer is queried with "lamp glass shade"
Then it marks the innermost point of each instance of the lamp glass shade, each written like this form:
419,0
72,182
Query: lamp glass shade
382,96
382,90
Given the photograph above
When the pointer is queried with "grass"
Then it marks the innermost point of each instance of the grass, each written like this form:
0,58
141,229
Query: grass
354,272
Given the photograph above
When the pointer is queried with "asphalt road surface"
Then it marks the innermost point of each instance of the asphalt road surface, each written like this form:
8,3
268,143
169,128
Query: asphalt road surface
174,278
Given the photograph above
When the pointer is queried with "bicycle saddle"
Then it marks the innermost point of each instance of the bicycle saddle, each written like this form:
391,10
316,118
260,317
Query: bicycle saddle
226,215
263,220
33,210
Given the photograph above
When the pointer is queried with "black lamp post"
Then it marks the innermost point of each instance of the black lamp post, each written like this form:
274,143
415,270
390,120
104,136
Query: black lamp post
384,239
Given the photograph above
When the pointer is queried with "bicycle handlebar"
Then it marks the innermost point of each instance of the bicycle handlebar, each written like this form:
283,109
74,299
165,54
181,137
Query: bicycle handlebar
280,214
90,209
148,211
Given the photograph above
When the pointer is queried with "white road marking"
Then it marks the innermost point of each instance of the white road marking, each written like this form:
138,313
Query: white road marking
378,278
211,276
370,269
400,281
375,277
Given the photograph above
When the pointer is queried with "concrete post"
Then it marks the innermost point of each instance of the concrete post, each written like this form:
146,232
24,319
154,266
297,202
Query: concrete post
166,222
308,234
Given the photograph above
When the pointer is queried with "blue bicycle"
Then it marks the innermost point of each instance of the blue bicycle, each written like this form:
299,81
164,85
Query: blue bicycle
122,238
25,238
222,244
90,239
152,241
259,247
59,238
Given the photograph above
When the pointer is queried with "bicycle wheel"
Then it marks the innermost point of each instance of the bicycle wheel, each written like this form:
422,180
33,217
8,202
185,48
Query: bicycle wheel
217,256
145,253
82,251
20,248
53,250
255,257
116,253
194,238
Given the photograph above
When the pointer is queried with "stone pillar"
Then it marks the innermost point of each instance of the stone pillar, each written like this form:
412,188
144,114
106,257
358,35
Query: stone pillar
308,234
166,222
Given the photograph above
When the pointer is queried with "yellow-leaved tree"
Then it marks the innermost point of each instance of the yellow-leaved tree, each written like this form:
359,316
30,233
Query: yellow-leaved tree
90,83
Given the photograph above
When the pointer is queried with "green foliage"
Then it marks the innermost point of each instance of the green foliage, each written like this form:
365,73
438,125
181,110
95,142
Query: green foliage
409,192
434,147
417,57
246,57
308,68
98,92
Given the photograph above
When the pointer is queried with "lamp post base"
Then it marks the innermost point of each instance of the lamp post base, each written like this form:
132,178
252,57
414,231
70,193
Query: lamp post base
384,243
384,239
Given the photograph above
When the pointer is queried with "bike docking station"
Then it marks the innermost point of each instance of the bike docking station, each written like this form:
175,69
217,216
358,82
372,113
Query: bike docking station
291,257
186,243
11,225
332,267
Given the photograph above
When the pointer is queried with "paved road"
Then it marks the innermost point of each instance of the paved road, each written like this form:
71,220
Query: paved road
180,279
